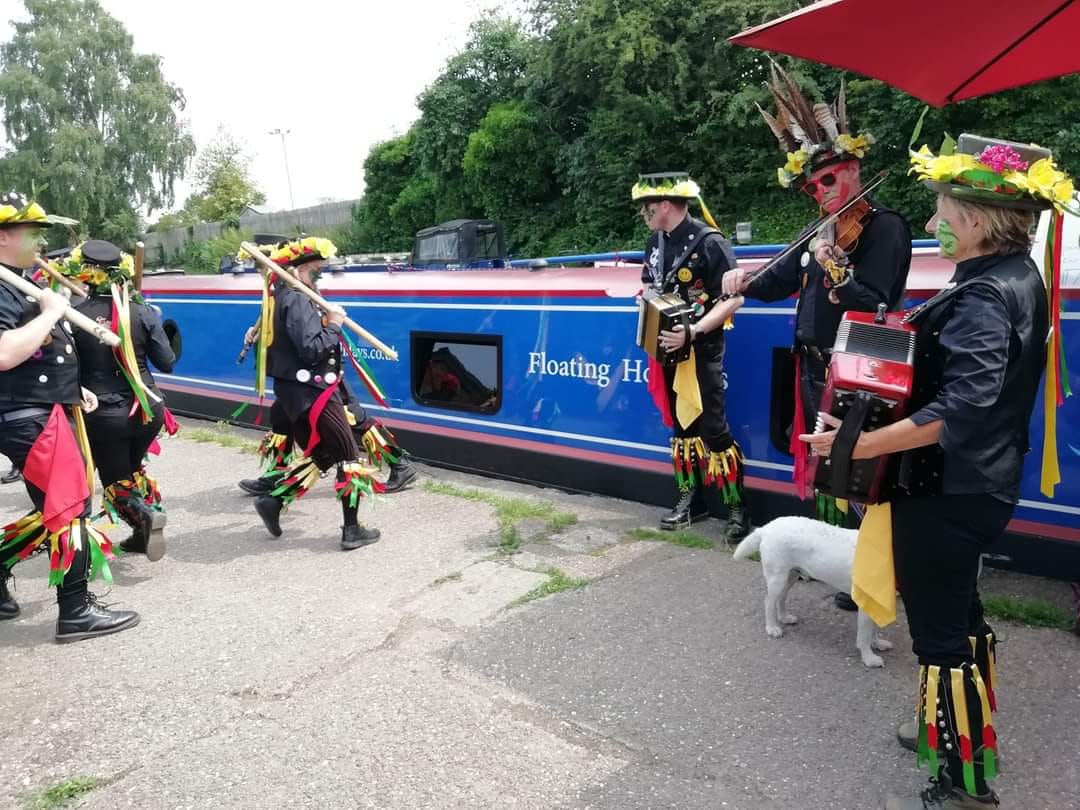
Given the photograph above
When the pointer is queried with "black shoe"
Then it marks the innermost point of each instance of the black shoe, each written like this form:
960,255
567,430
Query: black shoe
9,608
11,476
845,602
90,619
738,523
691,507
257,486
401,475
353,537
148,536
269,509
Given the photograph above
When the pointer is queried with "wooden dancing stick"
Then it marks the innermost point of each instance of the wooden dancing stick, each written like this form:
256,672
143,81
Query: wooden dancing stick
76,317
266,266
64,281
140,260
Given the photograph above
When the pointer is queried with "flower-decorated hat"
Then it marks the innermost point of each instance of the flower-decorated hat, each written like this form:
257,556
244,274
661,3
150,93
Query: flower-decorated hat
811,135
670,186
96,263
301,251
18,209
1001,173
996,172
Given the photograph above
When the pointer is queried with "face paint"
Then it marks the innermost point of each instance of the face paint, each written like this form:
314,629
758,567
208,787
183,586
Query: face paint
31,240
946,238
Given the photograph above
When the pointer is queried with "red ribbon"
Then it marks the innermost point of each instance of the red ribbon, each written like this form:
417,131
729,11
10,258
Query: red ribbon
798,448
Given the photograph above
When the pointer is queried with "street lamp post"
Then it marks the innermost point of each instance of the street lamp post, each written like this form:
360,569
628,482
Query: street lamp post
285,153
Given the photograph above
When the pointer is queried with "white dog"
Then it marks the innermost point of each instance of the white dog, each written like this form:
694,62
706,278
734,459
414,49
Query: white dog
792,545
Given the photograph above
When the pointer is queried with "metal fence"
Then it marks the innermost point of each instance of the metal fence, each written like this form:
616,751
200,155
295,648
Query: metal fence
161,246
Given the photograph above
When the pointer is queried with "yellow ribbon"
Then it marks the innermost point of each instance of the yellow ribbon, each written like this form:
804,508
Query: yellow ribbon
83,440
266,334
873,575
1050,475
687,391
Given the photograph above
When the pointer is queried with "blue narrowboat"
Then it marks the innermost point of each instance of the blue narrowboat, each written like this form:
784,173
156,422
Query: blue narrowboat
528,370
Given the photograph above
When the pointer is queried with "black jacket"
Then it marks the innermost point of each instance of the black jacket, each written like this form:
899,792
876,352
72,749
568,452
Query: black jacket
981,355
51,374
881,259
305,356
98,367
699,274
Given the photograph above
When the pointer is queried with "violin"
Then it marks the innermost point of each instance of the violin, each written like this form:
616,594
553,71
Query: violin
842,234
852,228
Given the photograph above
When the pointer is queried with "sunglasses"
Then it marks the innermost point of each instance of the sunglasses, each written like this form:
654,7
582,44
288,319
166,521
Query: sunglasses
825,181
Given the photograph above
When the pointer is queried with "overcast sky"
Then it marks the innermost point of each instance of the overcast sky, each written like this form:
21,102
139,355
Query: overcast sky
364,64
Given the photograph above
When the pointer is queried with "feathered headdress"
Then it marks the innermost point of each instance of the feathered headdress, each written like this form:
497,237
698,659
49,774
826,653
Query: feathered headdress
812,135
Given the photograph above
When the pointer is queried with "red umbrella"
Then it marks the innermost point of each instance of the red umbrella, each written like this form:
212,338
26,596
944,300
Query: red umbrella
940,52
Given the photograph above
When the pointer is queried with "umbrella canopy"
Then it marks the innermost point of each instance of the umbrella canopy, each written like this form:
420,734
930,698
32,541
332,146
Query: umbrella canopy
940,52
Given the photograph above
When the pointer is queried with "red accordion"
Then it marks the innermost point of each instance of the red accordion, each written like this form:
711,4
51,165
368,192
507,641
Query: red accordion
868,387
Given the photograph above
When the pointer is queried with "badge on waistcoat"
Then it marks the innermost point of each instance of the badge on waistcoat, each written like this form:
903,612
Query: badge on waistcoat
685,275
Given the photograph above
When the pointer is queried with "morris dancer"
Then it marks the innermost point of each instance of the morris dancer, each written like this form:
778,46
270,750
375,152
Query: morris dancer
131,410
40,397
372,436
302,350
981,347
823,162
686,256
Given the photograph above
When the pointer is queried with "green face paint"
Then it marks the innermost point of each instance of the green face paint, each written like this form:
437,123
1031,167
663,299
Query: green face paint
30,242
946,238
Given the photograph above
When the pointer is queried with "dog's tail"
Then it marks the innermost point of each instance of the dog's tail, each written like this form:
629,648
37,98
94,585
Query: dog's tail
748,546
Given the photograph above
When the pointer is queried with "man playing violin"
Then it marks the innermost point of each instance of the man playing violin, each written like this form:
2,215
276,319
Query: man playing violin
857,263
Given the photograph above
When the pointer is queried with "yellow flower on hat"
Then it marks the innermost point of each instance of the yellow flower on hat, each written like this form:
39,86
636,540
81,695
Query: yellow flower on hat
8,212
853,145
796,162
1046,181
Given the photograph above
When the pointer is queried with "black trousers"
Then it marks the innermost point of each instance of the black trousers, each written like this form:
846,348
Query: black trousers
16,439
336,440
118,440
712,425
936,545
811,387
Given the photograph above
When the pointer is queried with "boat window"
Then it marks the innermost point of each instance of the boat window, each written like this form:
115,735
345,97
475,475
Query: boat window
458,372
487,244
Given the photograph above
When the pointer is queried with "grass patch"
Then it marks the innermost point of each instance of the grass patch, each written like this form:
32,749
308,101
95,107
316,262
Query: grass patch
63,793
454,577
1032,612
557,582
680,537
508,512
220,434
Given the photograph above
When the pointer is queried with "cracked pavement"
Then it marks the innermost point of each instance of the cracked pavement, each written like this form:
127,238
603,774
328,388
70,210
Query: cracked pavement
287,673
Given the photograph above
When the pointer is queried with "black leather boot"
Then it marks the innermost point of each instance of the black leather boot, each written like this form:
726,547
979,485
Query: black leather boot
81,615
147,523
353,537
11,476
88,619
402,474
257,486
690,507
738,523
269,509
9,608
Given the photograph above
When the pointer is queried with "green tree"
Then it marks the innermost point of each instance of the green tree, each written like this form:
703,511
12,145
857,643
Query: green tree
91,121
546,129
223,181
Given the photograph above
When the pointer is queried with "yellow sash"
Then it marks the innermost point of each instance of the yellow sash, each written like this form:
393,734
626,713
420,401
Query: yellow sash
873,575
